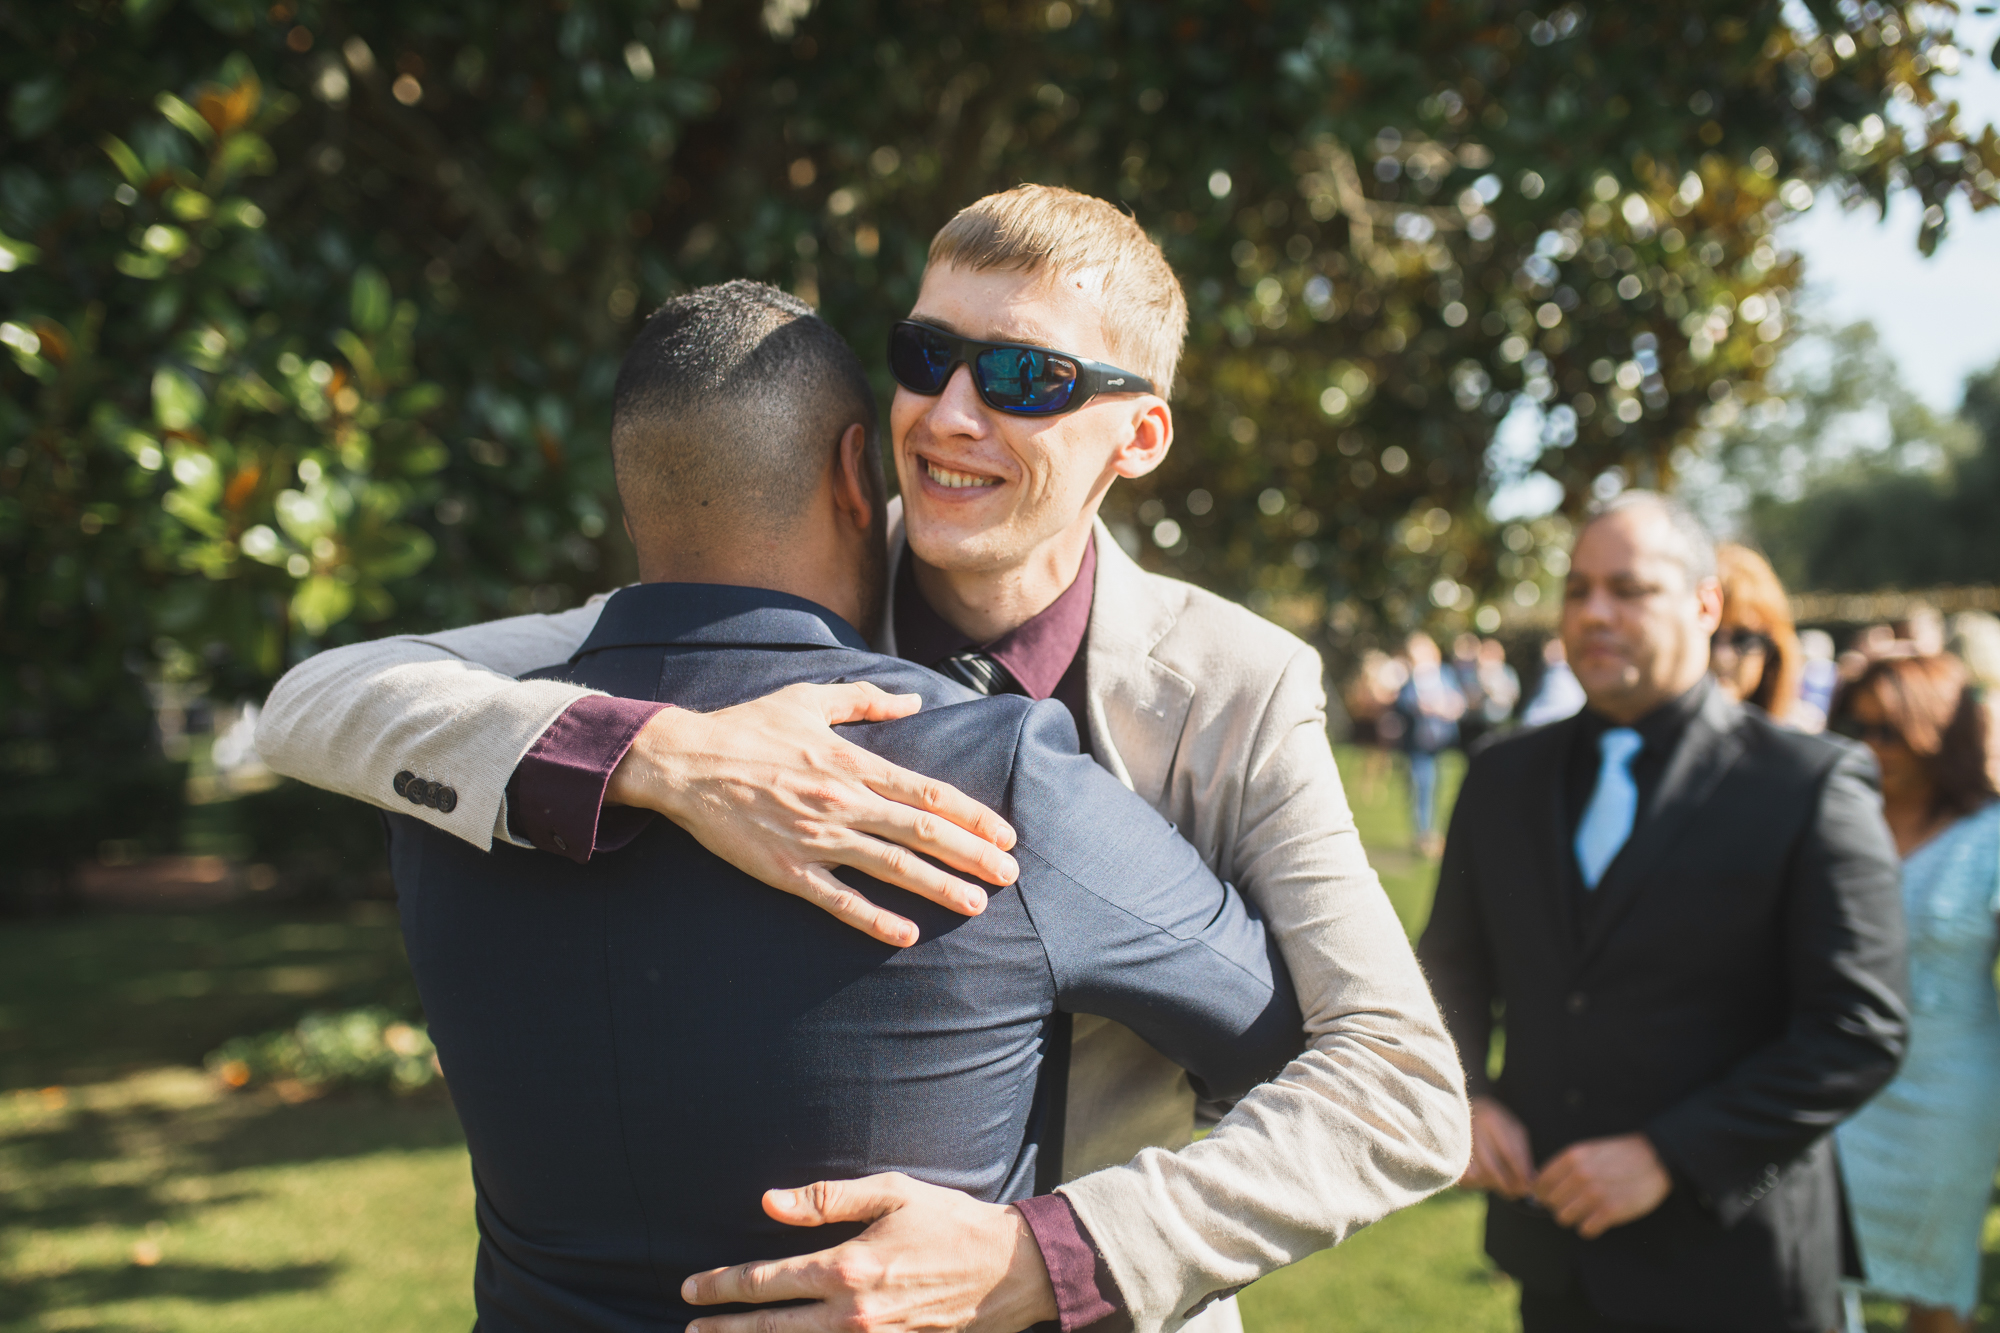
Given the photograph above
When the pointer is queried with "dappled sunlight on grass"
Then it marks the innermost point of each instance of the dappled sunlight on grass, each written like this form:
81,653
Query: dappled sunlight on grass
136,1194
159,1202
88,998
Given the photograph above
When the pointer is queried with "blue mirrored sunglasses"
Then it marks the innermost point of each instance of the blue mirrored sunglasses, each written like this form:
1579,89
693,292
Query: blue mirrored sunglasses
1010,377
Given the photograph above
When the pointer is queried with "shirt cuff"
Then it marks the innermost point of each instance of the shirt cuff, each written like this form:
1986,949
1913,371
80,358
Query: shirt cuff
555,800
1087,1297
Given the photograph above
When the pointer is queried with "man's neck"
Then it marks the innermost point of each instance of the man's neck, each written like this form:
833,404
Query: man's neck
1628,711
985,604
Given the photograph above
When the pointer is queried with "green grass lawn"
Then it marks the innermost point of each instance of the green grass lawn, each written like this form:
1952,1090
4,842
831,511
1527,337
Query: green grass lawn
137,1197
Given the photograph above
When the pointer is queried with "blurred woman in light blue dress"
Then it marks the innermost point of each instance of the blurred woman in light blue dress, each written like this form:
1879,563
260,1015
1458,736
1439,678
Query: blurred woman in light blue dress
1919,1159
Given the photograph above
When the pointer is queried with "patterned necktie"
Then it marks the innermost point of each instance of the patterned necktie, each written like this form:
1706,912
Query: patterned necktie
1614,805
977,671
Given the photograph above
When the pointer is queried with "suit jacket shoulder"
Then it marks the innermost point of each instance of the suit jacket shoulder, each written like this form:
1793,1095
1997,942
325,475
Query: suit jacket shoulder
1808,756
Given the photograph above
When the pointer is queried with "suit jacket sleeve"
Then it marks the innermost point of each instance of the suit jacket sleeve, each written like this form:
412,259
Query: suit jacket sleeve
445,707
1369,1119
1844,964
1453,948
1135,927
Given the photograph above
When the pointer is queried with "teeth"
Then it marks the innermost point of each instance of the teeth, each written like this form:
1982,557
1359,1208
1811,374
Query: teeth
956,480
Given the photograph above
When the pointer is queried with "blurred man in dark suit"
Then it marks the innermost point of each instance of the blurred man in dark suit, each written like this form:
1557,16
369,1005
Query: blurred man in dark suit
1688,922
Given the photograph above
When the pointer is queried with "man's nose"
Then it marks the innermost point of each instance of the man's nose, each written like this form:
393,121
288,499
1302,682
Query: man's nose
1599,606
959,410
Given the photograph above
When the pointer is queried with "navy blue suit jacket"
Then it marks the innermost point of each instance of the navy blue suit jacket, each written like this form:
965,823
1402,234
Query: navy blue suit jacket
640,1046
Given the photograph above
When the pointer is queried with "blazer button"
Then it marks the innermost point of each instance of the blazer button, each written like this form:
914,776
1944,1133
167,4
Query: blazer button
557,839
1577,1002
402,782
447,800
1574,1097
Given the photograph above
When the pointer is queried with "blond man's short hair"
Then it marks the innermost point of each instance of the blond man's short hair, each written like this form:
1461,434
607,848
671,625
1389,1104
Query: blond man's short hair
1058,232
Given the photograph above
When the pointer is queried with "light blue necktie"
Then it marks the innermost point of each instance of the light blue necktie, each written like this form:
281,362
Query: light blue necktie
1607,820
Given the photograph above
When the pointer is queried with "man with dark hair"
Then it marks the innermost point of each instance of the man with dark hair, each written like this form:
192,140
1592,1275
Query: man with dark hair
641,1046
1688,920
1033,372
709,399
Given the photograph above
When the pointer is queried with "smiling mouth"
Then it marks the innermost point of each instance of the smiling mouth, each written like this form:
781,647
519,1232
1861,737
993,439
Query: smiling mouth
956,481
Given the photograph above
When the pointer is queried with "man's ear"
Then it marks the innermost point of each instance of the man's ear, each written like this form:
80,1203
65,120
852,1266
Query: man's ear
1152,435
855,490
1709,594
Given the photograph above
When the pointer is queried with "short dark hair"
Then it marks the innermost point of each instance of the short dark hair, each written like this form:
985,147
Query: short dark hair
1697,543
727,408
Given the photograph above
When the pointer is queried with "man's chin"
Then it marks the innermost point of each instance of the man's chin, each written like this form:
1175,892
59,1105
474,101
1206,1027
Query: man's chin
961,543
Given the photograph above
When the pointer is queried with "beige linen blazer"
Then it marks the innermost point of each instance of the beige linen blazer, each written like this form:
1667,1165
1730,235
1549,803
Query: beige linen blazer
1217,718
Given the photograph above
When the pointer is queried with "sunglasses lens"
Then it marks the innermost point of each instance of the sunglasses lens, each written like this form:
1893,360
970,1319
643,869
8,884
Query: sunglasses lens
1025,379
919,359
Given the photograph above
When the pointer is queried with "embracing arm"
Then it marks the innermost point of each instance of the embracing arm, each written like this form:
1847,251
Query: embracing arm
443,707
1844,963
1370,1119
767,785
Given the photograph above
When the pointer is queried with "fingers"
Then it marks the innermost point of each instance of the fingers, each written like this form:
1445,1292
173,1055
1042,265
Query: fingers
915,831
857,701
800,1278
1565,1190
1514,1164
826,892
824,1201
819,1318
947,802
1597,1223
880,857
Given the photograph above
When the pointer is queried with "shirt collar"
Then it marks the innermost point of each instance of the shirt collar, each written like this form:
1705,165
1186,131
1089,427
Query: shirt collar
1036,652
1660,729
718,614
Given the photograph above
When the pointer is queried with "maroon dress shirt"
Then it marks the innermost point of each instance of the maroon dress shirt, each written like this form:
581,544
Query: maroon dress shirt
555,800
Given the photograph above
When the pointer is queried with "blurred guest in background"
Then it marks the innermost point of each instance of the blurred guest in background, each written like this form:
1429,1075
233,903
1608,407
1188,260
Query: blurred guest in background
1818,681
1975,641
1491,688
1688,918
1922,631
1431,706
1498,682
1558,696
1919,1159
1378,727
1755,655
1463,672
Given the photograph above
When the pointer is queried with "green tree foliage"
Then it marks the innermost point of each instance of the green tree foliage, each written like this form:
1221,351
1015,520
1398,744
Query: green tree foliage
312,307
1918,513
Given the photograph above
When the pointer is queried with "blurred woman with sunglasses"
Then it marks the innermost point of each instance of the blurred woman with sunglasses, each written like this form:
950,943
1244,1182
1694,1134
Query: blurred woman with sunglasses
1919,1160
1755,655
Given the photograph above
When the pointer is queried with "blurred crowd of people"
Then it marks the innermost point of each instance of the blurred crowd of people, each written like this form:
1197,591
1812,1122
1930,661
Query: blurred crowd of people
1416,704
1876,862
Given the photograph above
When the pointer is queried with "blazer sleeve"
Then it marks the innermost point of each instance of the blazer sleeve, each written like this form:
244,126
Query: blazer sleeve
445,707
1370,1118
1453,948
1845,967
1135,927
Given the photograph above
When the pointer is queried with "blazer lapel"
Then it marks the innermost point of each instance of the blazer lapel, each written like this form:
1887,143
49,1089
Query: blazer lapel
1552,840
1137,706
1709,747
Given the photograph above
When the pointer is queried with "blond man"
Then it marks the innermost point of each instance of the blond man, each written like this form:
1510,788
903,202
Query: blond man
1033,372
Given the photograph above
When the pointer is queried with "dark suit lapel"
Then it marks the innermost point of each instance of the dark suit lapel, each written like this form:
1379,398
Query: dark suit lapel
1544,788
1709,747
